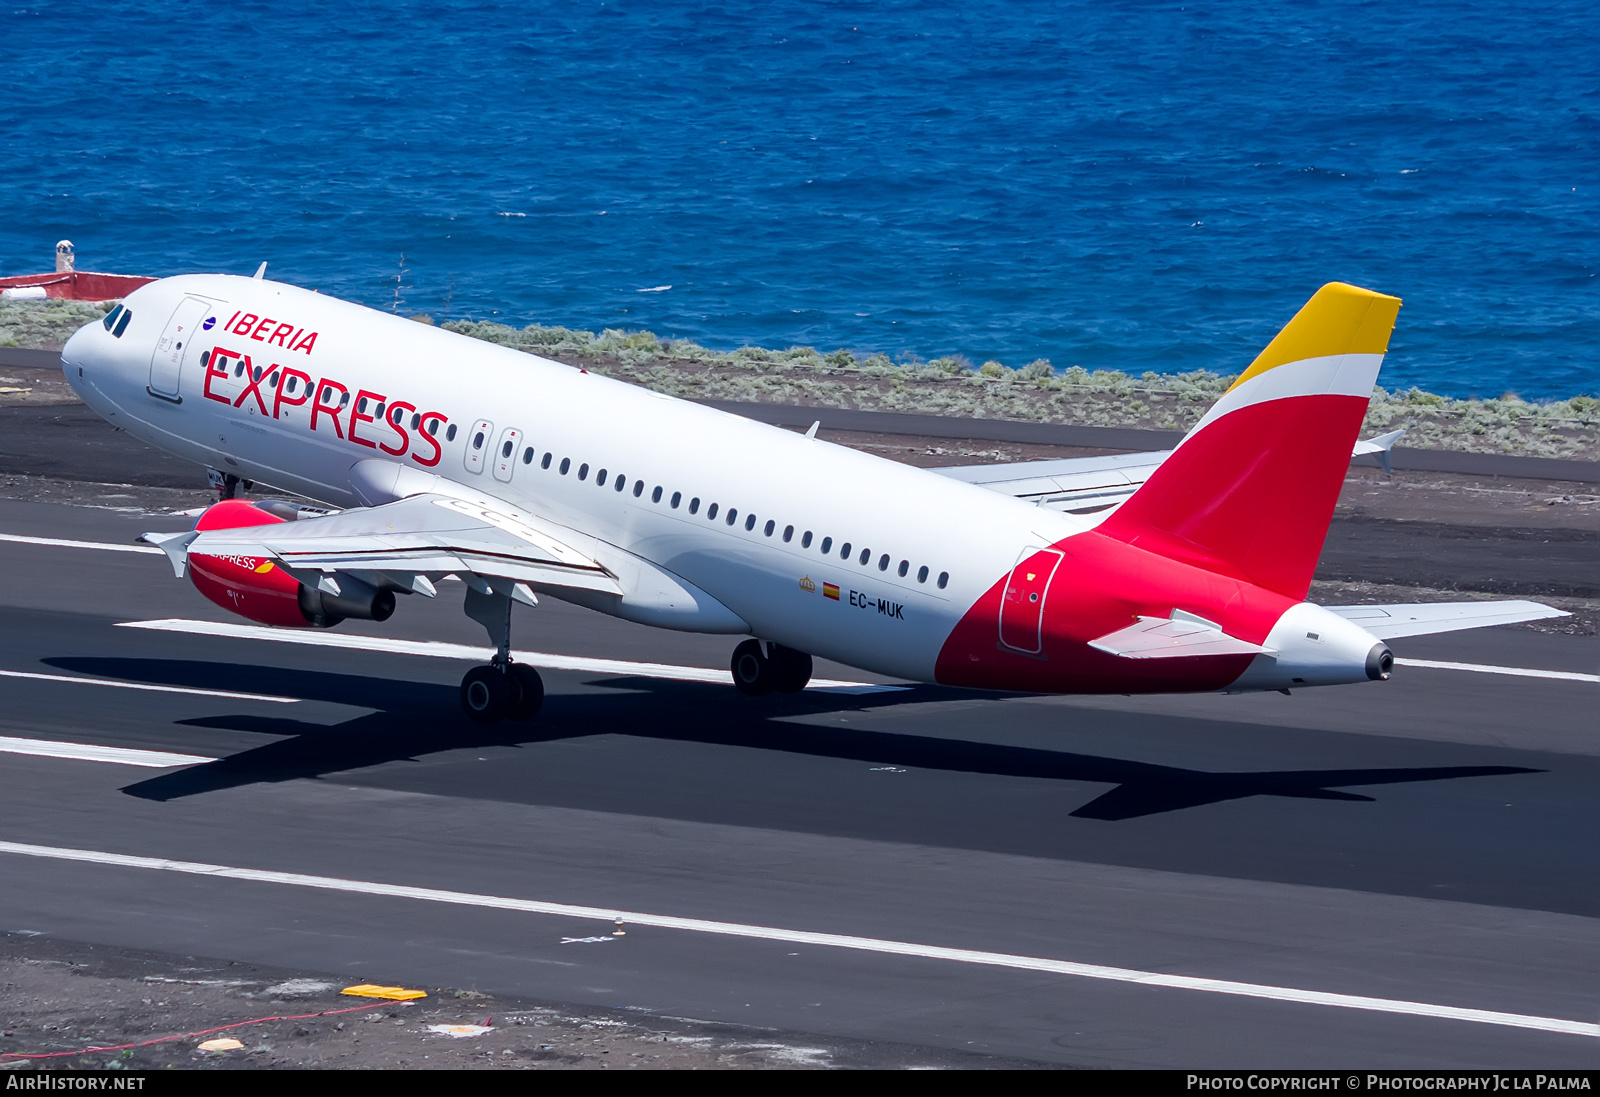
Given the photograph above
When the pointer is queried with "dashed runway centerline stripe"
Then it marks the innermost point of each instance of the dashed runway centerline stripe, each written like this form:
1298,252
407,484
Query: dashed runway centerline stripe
94,752
826,940
1515,672
81,680
58,542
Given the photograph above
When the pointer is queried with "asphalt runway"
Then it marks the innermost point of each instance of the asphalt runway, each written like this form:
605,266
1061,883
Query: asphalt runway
1426,840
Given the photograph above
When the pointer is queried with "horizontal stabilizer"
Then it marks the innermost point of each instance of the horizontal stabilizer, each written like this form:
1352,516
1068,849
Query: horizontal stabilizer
1181,635
1388,622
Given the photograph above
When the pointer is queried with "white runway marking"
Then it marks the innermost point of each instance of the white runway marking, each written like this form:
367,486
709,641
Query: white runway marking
79,680
1516,672
92,752
57,542
436,649
825,940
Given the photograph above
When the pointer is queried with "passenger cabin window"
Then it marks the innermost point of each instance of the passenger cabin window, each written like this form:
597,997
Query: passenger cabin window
826,546
905,566
566,463
505,450
733,515
477,440
449,434
527,456
844,551
711,511
922,574
546,462
805,540
788,534
883,562
583,471
677,497
769,527
694,504
750,523
600,478
944,579
655,496
638,490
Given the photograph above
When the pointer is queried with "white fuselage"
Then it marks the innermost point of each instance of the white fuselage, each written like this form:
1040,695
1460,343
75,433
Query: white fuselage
481,398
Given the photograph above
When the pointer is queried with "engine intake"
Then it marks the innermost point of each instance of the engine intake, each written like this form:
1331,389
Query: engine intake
259,590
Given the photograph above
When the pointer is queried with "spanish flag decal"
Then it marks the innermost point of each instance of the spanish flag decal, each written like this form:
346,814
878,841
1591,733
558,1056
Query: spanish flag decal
830,590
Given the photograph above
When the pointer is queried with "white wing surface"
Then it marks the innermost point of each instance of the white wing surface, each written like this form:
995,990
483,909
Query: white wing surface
1077,485
1085,485
420,536
1388,622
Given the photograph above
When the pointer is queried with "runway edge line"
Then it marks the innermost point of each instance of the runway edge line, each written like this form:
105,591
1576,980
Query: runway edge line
826,940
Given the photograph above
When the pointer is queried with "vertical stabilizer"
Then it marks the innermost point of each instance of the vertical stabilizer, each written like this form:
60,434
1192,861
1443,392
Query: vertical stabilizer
1249,492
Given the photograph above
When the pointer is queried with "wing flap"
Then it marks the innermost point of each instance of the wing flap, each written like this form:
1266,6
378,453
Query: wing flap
1426,618
420,535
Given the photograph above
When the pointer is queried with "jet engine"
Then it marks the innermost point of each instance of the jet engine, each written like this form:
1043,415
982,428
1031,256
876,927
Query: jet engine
260,590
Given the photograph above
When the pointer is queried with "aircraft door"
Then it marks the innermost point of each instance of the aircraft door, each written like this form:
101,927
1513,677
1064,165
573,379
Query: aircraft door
1022,605
167,361
505,457
478,444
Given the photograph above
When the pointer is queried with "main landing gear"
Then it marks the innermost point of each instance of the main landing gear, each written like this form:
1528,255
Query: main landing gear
762,668
501,688
497,690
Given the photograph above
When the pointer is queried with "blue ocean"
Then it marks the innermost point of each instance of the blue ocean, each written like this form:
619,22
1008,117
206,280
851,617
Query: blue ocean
1135,186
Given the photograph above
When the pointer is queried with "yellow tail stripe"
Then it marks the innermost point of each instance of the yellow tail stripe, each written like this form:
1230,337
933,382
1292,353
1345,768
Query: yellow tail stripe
1339,319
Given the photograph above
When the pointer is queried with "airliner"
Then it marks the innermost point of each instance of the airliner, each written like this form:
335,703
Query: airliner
429,457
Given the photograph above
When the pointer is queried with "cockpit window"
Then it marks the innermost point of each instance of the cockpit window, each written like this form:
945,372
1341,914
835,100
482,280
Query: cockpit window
111,317
122,325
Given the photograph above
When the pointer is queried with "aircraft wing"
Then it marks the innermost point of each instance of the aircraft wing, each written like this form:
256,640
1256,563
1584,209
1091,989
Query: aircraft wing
1388,622
1085,485
416,538
1077,485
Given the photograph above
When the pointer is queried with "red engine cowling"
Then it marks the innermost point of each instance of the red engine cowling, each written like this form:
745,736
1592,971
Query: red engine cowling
257,589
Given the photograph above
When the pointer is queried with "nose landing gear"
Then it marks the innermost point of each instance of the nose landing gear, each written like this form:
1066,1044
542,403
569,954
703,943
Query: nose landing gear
502,688
762,668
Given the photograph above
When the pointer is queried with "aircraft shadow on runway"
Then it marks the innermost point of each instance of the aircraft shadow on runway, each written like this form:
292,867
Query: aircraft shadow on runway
414,719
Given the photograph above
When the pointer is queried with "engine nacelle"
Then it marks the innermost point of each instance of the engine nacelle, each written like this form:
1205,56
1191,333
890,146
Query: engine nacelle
258,589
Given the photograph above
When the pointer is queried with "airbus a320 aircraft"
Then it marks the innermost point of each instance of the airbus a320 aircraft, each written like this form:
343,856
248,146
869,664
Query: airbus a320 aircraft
436,456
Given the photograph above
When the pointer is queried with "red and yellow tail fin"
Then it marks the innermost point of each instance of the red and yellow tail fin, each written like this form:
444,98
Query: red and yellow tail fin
1250,491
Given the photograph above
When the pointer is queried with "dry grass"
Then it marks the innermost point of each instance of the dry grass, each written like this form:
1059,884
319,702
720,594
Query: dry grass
1036,392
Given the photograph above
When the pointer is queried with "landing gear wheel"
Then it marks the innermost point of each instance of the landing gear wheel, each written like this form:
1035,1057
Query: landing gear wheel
530,688
790,669
487,694
751,671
